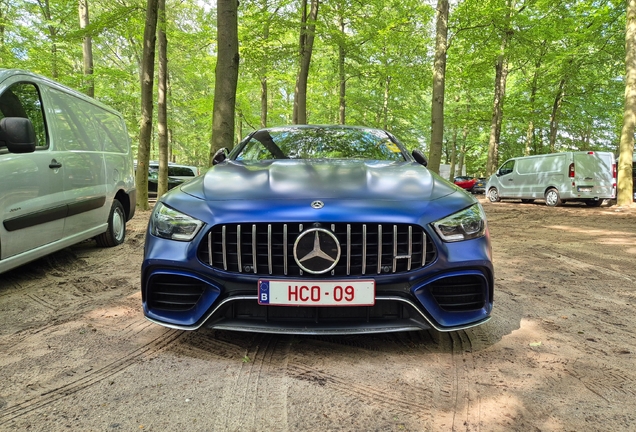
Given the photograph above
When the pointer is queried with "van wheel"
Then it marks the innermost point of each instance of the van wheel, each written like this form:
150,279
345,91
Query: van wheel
552,198
527,201
493,195
116,232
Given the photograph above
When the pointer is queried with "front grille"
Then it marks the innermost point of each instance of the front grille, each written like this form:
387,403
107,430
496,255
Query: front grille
174,293
460,293
267,249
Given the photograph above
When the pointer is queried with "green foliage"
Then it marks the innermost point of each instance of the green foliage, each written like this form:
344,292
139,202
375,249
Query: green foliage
576,45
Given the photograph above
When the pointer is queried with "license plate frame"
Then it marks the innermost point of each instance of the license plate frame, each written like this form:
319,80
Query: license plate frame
584,189
322,293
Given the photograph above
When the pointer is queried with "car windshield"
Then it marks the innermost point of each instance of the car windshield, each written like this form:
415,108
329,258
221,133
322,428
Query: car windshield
320,143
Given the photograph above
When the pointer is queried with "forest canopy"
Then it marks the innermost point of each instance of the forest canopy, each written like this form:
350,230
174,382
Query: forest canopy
564,89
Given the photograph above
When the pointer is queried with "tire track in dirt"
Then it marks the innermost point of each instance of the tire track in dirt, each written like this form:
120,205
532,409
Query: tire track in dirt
92,378
406,399
456,399
257,397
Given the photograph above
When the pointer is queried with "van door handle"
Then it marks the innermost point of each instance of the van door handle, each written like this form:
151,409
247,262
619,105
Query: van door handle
510,180
55,164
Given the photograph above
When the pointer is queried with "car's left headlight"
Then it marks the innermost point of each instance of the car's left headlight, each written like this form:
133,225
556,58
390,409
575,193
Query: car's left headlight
169,223
467,224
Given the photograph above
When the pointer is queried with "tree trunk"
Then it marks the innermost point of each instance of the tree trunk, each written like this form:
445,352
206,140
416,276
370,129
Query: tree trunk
451,176
554,116
226,76
87,49
385,103
501,75
45,7
625,181
439,77
533,95
264,69
307,33
342,102
147,81
162,107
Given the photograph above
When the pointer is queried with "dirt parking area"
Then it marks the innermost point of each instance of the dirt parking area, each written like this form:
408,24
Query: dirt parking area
559,353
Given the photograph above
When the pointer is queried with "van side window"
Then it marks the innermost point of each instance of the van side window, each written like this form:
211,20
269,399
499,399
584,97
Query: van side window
23,100
111,131
507,167
76,125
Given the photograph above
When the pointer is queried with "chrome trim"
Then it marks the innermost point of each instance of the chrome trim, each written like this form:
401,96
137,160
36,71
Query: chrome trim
238,248
424,238
269,248
224,249
408,267
256,328
285,249
395,243
210,247
379,248
364,248
254,247
348,249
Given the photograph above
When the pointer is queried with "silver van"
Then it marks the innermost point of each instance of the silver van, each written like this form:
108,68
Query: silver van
66,169
584,176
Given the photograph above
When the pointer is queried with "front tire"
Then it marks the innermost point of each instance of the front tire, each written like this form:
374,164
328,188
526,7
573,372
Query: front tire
116,232
493,195
594,203
552,198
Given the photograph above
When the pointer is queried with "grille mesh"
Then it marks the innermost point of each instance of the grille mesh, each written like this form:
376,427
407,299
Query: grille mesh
267,249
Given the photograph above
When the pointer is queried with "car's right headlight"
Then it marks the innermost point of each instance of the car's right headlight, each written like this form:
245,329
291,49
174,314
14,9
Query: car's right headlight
168,223
467,224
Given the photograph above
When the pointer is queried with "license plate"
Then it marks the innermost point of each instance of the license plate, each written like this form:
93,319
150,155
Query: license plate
584,189
316,293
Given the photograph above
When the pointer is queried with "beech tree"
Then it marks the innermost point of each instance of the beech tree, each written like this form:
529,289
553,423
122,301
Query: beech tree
162,105
147,81
306,46
227,68
626,147
87,48
439,77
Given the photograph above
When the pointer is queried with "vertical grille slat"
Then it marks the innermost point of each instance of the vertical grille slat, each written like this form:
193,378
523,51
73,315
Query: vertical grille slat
238,249
254,249
379,249
348,249
365,247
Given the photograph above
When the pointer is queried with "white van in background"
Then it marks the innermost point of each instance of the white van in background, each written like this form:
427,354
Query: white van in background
584,176
66,169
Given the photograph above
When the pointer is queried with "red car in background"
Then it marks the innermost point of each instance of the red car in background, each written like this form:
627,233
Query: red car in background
465,182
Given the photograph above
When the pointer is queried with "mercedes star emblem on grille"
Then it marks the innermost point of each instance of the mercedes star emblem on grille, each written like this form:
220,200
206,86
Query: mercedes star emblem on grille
317,251
317,204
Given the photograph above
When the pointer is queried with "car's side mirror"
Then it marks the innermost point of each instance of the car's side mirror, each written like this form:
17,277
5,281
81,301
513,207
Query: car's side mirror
419,157
219,156
17,134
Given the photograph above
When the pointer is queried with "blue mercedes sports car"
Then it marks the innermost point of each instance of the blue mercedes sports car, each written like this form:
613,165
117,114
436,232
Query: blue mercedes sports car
318,230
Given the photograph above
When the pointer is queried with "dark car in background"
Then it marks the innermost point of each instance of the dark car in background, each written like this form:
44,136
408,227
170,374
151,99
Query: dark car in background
318,230
177,174
479,186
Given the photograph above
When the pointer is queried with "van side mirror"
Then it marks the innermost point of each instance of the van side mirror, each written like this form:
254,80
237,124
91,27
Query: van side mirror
219,156
17,134
419,157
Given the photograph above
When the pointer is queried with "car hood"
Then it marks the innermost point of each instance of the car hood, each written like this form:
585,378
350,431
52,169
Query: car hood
316,179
